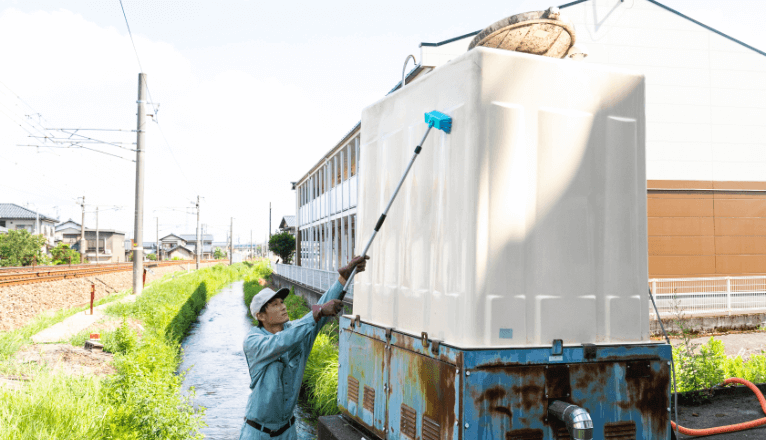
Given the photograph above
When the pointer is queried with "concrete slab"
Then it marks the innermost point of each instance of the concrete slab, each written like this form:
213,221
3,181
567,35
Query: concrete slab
75,324
337,428
735,344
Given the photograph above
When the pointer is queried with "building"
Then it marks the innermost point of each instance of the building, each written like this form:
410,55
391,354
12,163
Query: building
706,142
110,242
184,246
13,216
287,224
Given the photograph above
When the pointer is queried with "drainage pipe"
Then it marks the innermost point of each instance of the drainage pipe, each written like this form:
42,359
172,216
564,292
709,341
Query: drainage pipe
577,420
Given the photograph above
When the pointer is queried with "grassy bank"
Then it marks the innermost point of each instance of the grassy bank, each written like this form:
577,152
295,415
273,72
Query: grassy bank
320,380
142,400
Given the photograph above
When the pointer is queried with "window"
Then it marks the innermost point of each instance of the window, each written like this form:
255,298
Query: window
2,223
352,156
345,162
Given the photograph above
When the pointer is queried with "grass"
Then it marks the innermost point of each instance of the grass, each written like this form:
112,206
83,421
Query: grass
143,399
320,379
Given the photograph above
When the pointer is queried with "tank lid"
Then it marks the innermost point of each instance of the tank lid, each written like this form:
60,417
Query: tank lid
545,33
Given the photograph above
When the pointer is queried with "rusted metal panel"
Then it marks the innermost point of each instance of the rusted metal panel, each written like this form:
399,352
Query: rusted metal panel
429,388
501,393
363,362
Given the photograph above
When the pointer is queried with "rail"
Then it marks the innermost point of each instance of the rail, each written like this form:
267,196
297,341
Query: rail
39,274
316,279
715,295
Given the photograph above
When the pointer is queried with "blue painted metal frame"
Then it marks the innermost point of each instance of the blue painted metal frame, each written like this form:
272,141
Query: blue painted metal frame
500,393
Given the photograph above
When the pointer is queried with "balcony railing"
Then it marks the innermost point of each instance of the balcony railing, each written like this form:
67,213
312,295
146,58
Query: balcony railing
317,279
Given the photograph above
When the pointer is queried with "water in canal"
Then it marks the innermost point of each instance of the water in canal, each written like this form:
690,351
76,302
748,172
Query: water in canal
217,367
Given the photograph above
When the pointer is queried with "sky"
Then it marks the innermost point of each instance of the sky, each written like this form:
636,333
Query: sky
246,96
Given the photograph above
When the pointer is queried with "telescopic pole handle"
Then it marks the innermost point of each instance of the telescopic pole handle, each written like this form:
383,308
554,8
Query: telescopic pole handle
385,212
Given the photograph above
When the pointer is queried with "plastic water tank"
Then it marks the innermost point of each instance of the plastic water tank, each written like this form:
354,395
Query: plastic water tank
527,223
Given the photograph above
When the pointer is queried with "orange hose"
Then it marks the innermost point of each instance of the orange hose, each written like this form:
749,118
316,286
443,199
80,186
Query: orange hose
730,428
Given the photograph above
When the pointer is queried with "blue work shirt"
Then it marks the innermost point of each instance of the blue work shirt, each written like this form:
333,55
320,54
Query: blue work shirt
276,363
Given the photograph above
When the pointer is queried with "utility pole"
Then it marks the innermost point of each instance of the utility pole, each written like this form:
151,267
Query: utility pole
97,259
138,245
157,251
269,219
252,254
199,245
231,242
82,234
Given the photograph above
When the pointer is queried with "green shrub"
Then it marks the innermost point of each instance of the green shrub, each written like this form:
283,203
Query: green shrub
121,340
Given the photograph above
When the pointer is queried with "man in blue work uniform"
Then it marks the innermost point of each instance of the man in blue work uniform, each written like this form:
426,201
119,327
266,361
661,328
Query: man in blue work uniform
276,353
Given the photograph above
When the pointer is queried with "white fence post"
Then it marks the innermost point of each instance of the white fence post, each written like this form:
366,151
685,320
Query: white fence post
728,295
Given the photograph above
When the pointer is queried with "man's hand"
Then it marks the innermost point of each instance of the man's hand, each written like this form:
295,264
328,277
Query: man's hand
330,308
359,262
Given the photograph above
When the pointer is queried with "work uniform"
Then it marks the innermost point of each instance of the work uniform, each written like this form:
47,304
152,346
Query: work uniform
276,363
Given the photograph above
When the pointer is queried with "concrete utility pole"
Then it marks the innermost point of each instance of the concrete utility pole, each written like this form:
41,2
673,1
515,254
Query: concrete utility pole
199,242
157,251
82,234
97,259
138,244
252,254
269,219
231,242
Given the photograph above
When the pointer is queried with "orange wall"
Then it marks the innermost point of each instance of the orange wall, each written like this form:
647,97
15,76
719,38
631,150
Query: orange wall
703,228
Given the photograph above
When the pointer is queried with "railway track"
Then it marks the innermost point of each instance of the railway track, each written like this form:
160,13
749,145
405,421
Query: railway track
39,274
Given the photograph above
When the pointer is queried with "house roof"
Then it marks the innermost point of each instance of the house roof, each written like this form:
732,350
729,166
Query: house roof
175,248
288,221
193,237
172,235
66,224
12,210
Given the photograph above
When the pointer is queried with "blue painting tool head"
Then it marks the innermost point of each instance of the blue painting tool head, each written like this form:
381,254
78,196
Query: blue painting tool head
439,120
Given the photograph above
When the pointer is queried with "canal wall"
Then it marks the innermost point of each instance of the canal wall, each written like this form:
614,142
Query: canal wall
310,294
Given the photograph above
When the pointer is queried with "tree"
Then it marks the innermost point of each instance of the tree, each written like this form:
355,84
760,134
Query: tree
283,245
151,257
218,254
63,254
20,248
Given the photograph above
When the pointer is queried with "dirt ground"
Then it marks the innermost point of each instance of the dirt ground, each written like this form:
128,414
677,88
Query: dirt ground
20,304
724,410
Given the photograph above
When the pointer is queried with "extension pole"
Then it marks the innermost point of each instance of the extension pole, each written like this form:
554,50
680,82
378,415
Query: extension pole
138,227
390,202
199,248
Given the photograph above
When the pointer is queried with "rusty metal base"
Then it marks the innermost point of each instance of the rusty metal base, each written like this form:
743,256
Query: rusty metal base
401,386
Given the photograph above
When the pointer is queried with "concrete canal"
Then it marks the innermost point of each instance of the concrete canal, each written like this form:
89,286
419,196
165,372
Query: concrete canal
217,368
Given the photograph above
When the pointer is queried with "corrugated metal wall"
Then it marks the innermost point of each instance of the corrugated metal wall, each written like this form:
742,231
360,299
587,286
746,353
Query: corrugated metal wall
704,228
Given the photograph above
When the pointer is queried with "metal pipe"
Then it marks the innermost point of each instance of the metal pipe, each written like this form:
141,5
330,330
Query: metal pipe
577,420
404,67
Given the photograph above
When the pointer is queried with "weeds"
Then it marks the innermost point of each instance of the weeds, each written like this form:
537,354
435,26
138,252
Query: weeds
143,399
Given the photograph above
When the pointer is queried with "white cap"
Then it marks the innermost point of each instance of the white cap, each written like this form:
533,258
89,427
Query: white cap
265,296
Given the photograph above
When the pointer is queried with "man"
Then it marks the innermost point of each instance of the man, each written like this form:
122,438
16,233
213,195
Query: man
276,353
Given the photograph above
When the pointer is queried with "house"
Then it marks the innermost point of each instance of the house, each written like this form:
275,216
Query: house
13,216
180,244
705,167
110,242
287,224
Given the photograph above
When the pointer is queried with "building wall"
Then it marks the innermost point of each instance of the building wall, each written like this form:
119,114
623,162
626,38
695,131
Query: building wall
326,213
717,229
706,94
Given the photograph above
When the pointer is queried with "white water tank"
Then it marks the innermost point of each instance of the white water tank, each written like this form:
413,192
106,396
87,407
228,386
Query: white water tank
527,223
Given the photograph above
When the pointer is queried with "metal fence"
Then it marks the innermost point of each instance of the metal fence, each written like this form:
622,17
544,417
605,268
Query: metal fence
315,278
697,296
687,296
